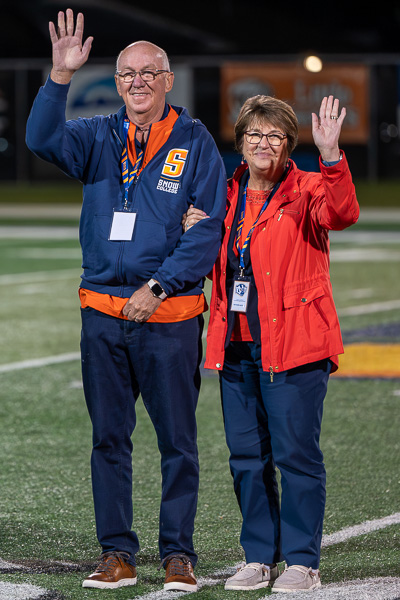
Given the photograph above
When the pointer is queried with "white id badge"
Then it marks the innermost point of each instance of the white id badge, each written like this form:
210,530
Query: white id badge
122,226
241,289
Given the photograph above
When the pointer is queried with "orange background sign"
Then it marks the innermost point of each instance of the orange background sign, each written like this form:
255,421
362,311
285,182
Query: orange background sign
302,90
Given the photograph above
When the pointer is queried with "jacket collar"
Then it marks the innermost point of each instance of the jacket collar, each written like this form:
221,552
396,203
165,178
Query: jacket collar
287,192
117,119
234,182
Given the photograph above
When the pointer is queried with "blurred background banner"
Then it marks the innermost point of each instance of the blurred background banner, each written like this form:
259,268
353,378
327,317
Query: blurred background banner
303,90
92,92
213,89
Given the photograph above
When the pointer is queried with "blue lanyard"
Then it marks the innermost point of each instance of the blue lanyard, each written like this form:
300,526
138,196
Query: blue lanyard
128,176
242,250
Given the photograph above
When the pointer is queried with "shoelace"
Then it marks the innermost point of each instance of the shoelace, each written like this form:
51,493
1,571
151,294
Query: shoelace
110,560
254,566
177,565
301,569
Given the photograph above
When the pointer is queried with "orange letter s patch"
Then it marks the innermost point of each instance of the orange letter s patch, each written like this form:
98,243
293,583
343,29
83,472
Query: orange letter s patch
174,163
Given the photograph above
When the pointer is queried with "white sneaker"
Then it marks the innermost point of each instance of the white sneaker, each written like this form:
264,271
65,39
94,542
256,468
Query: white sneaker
297,578
252,577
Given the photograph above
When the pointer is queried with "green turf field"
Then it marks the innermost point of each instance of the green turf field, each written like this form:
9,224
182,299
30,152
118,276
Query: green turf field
46,513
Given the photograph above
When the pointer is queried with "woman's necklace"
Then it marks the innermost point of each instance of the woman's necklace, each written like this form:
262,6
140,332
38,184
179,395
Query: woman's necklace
257,196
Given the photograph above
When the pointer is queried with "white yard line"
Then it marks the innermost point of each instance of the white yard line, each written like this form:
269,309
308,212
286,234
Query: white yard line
38,233
363,238
38,276
366,309
379,588
21,591
39,362
379,215
32,253
44,211
362,529
166,595
8,565
346,255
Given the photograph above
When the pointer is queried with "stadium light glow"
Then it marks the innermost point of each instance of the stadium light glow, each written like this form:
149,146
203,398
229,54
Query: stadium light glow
313,64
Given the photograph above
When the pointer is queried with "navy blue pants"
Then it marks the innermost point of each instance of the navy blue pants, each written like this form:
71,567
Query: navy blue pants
276,424
121,359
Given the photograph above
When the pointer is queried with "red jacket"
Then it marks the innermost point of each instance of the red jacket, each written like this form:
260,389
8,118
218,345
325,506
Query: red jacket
290,258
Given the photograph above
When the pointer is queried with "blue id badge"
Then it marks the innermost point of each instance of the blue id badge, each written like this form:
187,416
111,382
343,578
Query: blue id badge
241,290
122,226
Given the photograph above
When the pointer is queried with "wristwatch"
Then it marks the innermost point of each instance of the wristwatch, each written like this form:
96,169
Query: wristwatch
156,289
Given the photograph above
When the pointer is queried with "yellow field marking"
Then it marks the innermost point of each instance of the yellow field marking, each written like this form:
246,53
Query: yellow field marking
369,360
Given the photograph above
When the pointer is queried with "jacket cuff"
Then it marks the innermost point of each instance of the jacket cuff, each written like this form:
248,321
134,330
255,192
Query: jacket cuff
167,288
334,169
331,163
56,91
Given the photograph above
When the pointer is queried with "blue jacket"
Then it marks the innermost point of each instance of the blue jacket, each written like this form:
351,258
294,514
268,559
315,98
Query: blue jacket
90,150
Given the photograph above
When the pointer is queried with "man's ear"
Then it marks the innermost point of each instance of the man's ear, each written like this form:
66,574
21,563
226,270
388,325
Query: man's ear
169,82
117,84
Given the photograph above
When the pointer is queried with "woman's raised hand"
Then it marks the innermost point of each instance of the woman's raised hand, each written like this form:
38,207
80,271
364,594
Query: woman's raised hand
327,127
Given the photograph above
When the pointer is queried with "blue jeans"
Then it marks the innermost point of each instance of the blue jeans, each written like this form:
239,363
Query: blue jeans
121,359
276,424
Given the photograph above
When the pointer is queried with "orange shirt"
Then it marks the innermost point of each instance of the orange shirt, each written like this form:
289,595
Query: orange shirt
171,310
254,202
159,134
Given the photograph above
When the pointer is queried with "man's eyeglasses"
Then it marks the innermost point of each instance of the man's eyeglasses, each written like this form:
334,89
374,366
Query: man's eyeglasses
144,75
255,137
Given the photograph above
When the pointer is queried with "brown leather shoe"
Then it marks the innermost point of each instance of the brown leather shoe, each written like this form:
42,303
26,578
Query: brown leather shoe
179,574
112,572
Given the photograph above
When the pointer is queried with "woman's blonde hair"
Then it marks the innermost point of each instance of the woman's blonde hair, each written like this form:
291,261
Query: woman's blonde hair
266,109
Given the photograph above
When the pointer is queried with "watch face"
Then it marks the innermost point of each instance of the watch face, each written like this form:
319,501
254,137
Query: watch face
157,289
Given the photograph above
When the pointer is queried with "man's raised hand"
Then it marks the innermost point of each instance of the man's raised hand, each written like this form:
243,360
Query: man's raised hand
69,54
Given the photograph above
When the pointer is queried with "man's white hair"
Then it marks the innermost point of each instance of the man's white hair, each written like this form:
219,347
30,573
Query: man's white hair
159,52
